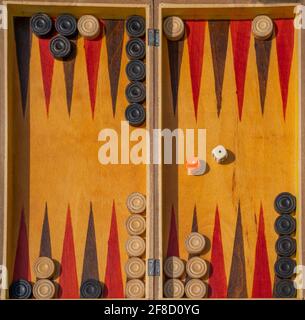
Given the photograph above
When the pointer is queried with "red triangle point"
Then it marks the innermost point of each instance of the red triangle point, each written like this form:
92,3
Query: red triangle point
261,281
173,242
284,46
93,53
47,66
195,39
218,279
240,34
68,278
22,260
113,276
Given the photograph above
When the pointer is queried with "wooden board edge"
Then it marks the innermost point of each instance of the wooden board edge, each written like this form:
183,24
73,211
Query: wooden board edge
302,149
158,125
111,3
3,154
150,217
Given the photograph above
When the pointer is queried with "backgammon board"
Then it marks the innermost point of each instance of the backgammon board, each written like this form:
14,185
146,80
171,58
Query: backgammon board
79,76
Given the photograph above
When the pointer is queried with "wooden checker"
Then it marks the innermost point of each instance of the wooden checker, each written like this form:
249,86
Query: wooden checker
195,289
44,289
135,246
44,268
135,268
196,267
174,267
136,202
89,27
173,288
262,27
135,225
135,289
173,28
195,243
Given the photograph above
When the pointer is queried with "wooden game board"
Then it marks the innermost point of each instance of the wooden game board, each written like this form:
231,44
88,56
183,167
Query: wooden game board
59,201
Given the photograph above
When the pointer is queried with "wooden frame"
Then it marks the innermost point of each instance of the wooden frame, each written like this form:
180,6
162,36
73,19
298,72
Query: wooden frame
154,285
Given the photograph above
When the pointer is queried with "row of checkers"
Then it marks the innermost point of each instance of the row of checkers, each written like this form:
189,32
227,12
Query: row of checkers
45,269
135,246
44,288
262,28
67,27
186,279
88,26
135,91
285,226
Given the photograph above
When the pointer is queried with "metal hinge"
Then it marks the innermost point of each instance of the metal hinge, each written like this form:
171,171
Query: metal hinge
153,37
153,267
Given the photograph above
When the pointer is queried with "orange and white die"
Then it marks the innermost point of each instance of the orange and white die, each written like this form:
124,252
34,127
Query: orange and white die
195,166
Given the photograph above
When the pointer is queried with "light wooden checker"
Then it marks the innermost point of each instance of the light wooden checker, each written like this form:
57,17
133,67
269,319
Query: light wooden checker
195,243
262,27
136,202
89,27
135,246
173,288
195,289
135,268
173,28
174,267
44,289
44,268
196,267
135,225
135,289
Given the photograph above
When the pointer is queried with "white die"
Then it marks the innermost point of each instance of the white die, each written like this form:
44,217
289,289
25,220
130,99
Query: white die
220,153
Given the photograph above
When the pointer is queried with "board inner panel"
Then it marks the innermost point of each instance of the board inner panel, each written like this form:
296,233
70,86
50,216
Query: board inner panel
244,92
63,203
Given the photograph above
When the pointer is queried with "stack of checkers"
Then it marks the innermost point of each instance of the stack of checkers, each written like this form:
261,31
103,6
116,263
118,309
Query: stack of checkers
43,288
135,246
174,269
44,269
65,28
196,268
285,227
135,70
